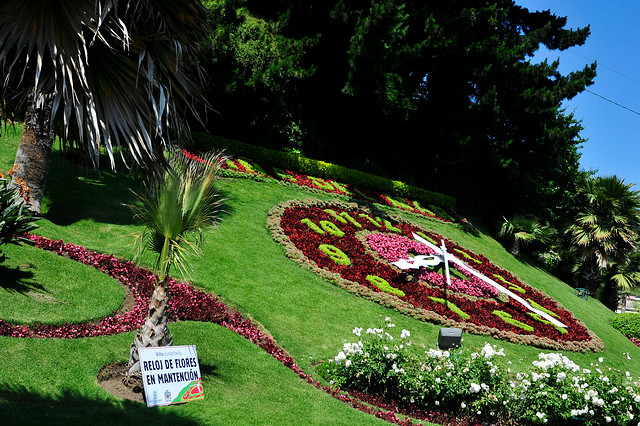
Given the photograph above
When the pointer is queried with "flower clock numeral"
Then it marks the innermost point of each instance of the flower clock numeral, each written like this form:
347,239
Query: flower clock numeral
383,285
325,225
335,254
354,249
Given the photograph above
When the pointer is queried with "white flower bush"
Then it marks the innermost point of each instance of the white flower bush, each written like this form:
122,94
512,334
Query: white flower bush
554,390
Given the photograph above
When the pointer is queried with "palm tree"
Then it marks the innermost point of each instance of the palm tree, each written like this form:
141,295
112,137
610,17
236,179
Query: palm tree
174,211
108,73
604,234
523,231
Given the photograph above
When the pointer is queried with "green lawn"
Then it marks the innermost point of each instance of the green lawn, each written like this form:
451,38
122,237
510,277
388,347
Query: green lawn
54,381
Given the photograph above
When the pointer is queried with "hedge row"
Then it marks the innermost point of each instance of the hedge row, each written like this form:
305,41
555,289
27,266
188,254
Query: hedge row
321,169
628,324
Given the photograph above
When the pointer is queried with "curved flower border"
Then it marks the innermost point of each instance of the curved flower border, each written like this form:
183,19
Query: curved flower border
244,169
187,303
353,272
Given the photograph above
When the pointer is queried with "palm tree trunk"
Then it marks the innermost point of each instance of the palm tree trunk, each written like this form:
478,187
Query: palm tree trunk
34,151
154,332
590,277
515,248
610,295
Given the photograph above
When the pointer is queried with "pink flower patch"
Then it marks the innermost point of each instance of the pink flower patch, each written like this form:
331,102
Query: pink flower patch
395,247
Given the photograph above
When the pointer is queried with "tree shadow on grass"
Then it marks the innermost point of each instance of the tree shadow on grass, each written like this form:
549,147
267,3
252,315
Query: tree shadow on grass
226,209
18,280
77,193
20,406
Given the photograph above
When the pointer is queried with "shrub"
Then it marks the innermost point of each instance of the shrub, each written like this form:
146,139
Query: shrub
458,382
13,218
554,390
628,324
321,169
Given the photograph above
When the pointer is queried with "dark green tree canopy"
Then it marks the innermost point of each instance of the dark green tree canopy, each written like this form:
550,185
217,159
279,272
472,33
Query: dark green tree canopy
441,94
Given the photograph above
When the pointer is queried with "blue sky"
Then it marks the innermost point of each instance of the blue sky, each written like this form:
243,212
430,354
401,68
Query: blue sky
613,133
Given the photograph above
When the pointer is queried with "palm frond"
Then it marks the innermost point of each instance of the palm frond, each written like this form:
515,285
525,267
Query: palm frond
119,71
176,208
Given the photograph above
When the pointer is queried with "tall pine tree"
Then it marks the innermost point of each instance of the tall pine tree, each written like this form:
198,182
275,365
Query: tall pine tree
440,94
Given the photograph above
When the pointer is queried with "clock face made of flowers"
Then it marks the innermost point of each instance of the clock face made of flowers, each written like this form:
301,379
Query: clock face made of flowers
354,248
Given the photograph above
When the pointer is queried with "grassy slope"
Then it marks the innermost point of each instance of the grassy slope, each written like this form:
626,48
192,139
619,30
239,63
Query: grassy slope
40,286
308,317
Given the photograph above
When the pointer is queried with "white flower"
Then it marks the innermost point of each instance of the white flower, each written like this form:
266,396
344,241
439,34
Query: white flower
434,353
352,348
548,361
437,402
591,394
404,334
600,359
357,331
463,405
347,363
539,415
489,351
340,357
437,379
561,376
474,388
564,396
607,418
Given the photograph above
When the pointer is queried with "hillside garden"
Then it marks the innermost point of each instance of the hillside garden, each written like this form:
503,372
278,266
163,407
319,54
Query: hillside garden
296,312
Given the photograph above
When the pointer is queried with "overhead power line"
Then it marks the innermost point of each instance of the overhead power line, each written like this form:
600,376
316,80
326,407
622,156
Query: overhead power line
604,66
613,102
613,70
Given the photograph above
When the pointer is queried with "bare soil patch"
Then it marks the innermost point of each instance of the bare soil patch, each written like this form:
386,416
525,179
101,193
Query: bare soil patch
112,378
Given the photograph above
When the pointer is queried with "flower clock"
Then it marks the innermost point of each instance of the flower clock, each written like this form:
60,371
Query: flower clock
354,247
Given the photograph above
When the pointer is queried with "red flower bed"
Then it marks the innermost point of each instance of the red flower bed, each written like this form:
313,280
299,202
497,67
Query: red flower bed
236,167
186,303
334,239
